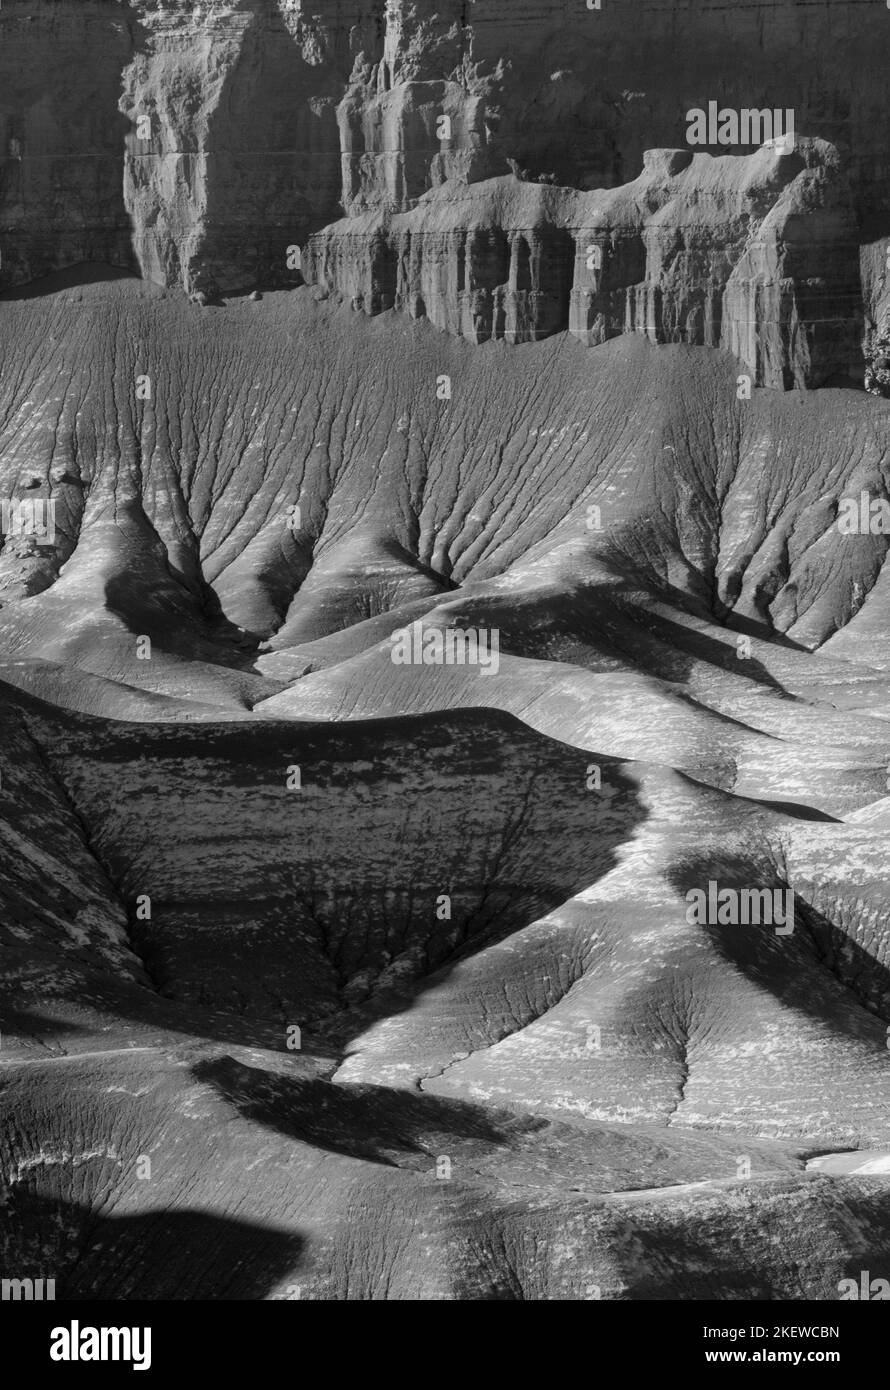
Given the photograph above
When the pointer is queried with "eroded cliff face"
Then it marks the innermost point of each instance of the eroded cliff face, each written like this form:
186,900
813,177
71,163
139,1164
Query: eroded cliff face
230,810
62,137
576,96
205,135
755,255
241,155
200,142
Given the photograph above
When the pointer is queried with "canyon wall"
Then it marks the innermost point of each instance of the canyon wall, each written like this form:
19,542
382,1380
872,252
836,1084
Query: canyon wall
206,143
755,255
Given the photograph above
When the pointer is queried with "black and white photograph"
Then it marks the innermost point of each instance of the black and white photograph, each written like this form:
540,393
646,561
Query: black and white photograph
444,667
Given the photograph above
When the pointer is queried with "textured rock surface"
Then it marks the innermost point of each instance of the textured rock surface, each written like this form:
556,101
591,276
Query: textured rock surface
757,256
203,142
178,505
590,1064
329,977
364,1216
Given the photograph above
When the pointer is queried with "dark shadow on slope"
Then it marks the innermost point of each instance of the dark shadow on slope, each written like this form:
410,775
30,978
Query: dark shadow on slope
488,1144
839,953
322,930
328,888
799,809
610,617
698,1256
163,1254
184,619
685,643
71,278
695,645
125,1017
20,1022
399,1129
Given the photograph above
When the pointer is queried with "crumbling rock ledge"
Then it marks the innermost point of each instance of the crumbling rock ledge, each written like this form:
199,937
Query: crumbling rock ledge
756,255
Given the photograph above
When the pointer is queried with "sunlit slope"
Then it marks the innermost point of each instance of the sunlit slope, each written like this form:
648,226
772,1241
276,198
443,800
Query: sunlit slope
454,900
173,440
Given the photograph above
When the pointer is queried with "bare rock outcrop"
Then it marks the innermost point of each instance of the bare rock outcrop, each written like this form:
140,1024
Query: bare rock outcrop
201,140
380,700
756,256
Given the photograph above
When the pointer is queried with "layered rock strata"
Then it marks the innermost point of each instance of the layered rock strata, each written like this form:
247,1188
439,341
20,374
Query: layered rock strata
757,256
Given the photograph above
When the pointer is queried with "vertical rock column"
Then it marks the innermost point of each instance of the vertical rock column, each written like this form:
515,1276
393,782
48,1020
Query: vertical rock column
488,271
536,301
609,263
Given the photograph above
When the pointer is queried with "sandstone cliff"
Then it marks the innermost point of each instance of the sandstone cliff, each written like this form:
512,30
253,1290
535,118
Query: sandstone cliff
228,815
757,256
200,142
